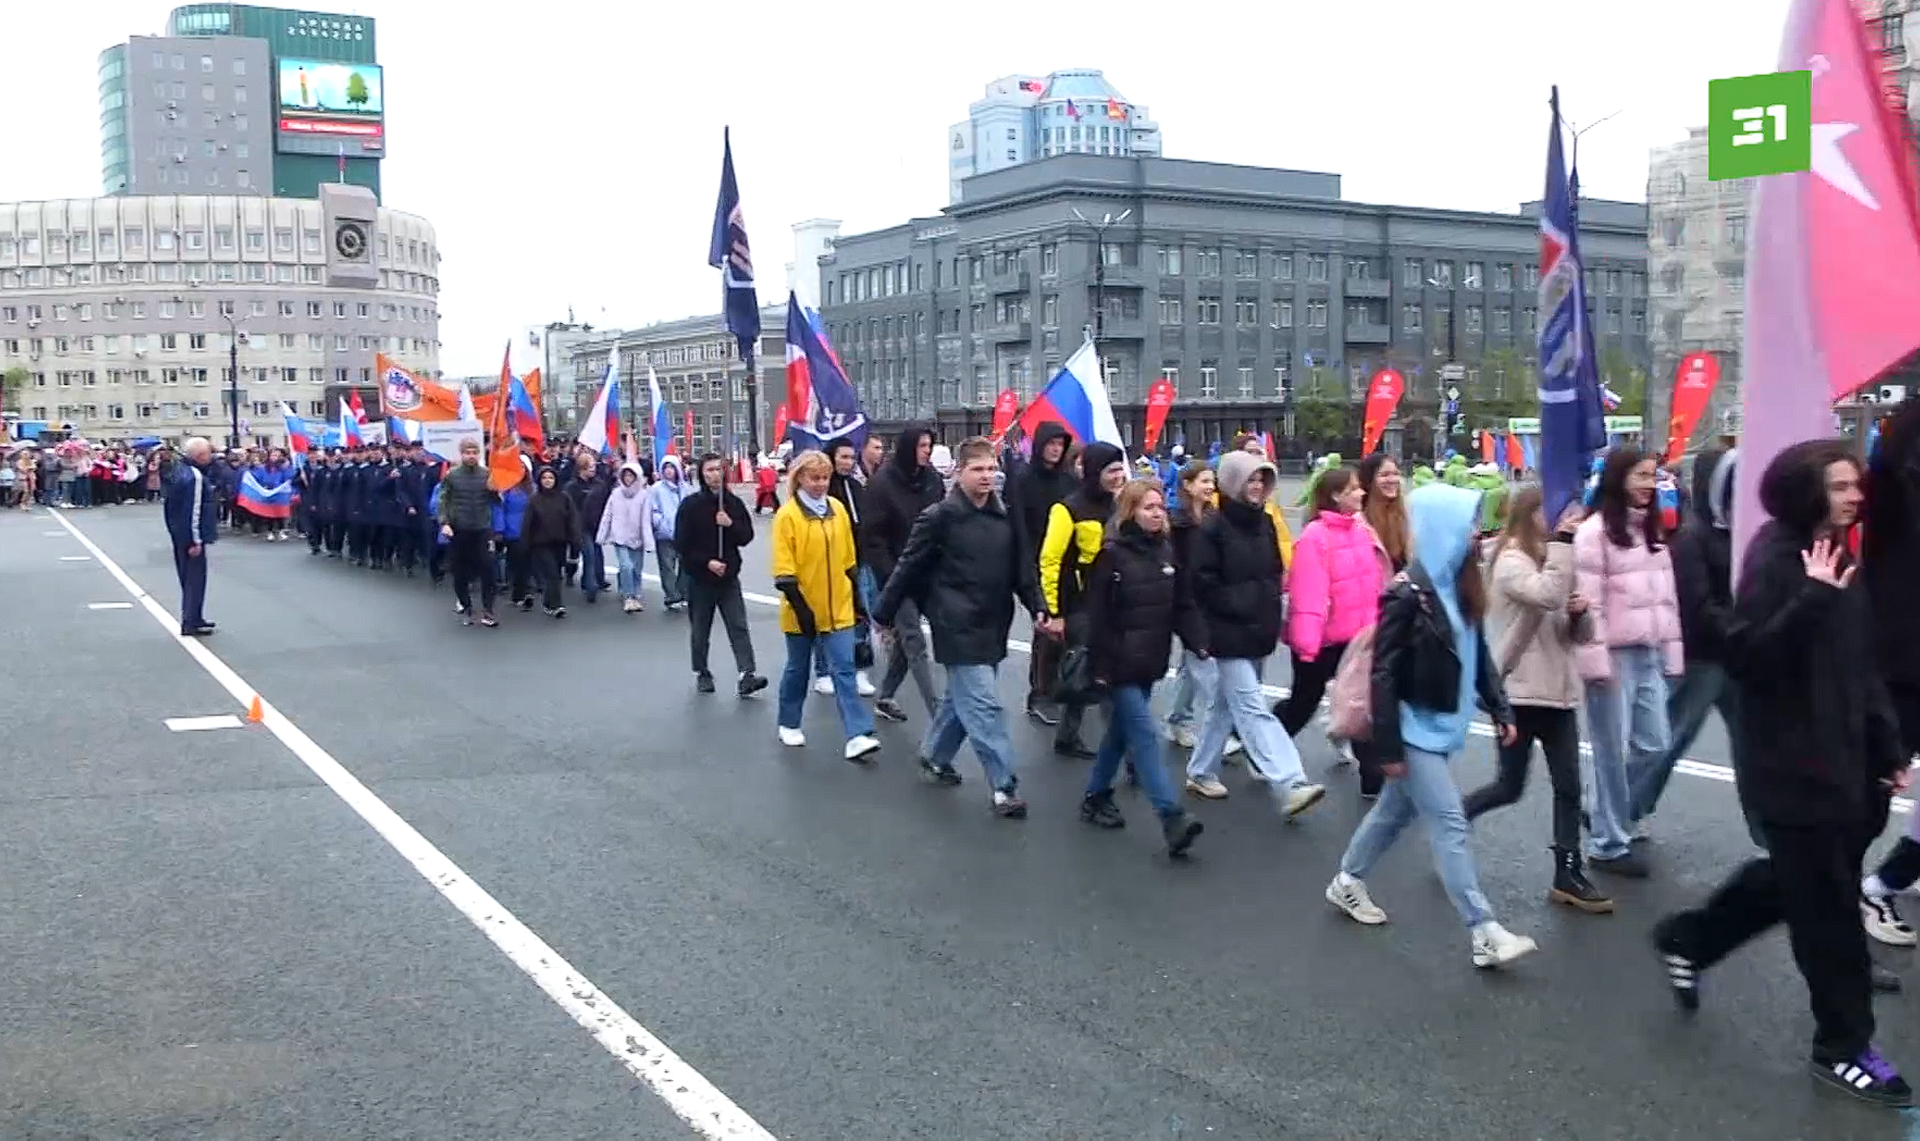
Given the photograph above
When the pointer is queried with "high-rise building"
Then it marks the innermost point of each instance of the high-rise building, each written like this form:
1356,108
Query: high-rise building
236,99
1025,117
1697,266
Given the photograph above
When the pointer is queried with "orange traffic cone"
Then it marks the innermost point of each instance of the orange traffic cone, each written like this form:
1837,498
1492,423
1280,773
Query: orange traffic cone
255,714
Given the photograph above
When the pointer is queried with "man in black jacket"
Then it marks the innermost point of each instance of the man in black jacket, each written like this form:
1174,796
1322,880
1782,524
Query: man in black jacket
709,530
963,567
1032,490
1703,574
1819,760
466,522
1889,569
904,487
589,488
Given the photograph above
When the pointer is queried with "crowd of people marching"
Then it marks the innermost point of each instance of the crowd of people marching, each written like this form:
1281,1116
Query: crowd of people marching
1408,609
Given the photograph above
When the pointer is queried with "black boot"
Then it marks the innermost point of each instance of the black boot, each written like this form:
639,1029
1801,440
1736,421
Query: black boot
1571,886
1180,830
1097,808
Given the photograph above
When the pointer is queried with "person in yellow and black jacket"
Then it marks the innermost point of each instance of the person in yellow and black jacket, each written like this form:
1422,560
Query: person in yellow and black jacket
1076,528
1251,445
816,571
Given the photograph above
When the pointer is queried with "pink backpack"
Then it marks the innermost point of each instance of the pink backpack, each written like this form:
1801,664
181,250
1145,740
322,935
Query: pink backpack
1350,717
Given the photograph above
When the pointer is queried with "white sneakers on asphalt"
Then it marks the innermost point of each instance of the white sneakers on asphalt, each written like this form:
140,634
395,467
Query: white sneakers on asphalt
1493,945
1209,787
1301,797
861,747
1883,922
792,738
861,684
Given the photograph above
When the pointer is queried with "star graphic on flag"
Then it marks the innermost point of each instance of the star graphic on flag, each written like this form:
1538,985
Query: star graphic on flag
1831,163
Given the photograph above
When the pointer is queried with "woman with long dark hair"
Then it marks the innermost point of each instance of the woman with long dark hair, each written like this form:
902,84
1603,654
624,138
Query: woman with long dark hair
1386,507
1625,571
1333,591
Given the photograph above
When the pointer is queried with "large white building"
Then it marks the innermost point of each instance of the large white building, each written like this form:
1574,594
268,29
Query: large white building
1026,117
123,310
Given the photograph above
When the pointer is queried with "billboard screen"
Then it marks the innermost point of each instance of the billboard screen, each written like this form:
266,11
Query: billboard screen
331,108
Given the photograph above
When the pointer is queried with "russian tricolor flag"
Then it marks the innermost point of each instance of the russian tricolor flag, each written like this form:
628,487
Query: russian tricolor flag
266,502
299,441
350,436
1077,398
662,419
526,416
602,426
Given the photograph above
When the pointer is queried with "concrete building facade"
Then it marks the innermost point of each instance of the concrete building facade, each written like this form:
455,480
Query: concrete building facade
123,309
1696,263
1254,291
1024,117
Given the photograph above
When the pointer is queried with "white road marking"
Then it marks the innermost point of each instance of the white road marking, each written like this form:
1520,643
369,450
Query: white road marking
60,534
109,606
692,1098
1689,766
76,558
197,724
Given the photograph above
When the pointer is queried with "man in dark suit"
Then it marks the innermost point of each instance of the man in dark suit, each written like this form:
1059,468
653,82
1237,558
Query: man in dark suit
192,512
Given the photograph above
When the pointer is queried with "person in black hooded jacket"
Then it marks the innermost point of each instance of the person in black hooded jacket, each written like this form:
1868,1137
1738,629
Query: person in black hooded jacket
551,531
1818,762
1032,489
1703,581
1076,528
900,491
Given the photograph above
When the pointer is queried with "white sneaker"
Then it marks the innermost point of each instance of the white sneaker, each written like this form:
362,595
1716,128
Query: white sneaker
861,747
630,606
1883,921
1350,895
1301,797
1495,946
1209,787
863,685
1342,750
792,738
1182,735
823,686
1234,747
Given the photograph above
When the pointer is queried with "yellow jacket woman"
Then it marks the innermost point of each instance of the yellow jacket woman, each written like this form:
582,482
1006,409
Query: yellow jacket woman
813,565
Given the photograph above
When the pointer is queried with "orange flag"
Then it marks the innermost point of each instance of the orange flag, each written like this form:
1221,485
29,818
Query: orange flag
503,458
406,394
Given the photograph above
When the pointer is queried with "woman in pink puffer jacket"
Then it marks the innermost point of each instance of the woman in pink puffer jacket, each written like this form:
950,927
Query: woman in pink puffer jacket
1333,590
1623,568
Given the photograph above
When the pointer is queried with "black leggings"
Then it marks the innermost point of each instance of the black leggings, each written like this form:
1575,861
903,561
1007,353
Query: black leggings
1309,685
1558,731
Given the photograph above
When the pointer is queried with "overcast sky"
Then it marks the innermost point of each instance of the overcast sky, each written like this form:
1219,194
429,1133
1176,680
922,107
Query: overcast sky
568,153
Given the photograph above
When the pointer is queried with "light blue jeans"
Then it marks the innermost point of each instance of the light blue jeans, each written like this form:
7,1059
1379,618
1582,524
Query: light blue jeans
971,712
1627,725
1193,687
1426,792
628,560
855,718
1131,732
1240,707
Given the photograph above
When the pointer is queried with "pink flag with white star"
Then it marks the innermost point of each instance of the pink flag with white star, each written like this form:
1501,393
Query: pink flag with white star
1833,254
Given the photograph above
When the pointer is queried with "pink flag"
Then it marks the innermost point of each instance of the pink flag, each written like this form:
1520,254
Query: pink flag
1833,254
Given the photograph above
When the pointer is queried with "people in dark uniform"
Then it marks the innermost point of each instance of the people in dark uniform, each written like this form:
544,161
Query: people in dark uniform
419,476
333,497
384,512
356,506
311,478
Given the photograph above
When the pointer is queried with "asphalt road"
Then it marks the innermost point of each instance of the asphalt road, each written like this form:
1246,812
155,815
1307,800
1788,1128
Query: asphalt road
203,940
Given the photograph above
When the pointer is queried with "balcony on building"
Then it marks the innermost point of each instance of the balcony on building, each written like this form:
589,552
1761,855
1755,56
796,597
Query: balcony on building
1368,333
1011,282
1009,332
1368,287
1123,329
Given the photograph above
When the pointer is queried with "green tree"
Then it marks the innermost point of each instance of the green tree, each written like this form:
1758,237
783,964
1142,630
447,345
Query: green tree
357,93
1318,417
1627,379
13,382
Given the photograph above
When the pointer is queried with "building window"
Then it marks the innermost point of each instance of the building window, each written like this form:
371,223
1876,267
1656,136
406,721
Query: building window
1171,374
1170,311
1316,314
310,241
1283,267
1317,267
1736,237
1246,263
1503,321
1475,316
1049,261
1475,275
1283,314
1209,310
1246,312
1411,318
1503,278
1443,274
1246,382
1210,263
1168,260
1209,382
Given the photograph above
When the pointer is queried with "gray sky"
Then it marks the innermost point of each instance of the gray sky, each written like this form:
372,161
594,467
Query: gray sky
568,153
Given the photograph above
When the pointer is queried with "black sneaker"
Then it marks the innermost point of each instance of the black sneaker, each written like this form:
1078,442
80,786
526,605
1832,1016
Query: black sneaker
466,616
751,683
525,604
1885,981
887,709
1073,750
1098,809
940,774
1009,805
1628,865
1040,715
556,611
1683,973
488,620
703,683
1868,1077
1180,830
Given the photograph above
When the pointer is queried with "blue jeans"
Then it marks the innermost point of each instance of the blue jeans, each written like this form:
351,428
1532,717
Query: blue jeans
1627,724
1131,730
1426,791
1705,686
80,492
863,578
971,711
855,717
593,567
1193,688
629,560
671,584
1240,707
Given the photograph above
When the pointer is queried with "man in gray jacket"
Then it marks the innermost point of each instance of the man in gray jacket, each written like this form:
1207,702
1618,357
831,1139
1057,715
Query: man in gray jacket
466,521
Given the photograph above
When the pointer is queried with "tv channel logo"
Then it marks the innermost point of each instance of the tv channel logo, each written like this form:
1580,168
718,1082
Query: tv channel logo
1759,124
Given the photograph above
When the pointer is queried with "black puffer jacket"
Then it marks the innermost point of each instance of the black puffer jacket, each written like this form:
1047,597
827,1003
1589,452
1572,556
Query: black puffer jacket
1817,732
964,568
852,495
900,491
1703,558
589,495
551,520
1236,581
1135,604
1416,661
1036,485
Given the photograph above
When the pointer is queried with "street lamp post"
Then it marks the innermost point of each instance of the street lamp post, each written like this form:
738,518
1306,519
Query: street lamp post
1100,228
233,378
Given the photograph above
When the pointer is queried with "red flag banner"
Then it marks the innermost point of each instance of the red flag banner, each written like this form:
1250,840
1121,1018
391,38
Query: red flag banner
687,439
1516,455
1486,447
504,470
1693,385
1383,396
1005,407
1159,402
779,425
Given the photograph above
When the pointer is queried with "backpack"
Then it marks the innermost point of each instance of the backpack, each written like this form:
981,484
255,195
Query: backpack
1350,711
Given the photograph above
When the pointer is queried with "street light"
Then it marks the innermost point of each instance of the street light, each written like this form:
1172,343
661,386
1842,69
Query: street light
1100,228
233,376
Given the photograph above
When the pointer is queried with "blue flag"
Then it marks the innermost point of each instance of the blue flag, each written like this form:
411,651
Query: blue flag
1572,422
728,252
833,407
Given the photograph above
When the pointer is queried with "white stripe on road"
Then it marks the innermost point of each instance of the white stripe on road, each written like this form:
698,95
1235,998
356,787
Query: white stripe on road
198,724
692,1098
75,558
109,606
1689,766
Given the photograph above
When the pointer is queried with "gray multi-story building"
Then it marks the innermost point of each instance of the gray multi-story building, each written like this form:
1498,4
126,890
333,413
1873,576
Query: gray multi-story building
186,115
1261,294
1697,263
1024,117
698,364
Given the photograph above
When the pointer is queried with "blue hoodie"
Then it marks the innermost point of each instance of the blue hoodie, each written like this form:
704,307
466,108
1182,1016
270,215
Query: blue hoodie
1442,520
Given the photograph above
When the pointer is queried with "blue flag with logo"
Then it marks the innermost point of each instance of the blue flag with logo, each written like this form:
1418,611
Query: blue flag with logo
1572,422
728,252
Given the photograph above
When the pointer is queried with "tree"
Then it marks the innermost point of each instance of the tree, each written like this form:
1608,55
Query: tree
1626,379
12,383
1318,418
357,93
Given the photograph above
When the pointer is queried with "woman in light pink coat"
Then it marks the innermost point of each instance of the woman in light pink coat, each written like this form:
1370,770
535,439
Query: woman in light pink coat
1333,590
1624,570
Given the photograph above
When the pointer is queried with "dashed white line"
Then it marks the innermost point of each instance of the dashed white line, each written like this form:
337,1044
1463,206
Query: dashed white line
692,1098
109,606
76,558
201,724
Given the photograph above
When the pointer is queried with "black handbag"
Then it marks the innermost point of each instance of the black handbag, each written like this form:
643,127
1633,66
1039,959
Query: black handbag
1075,684
862,647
